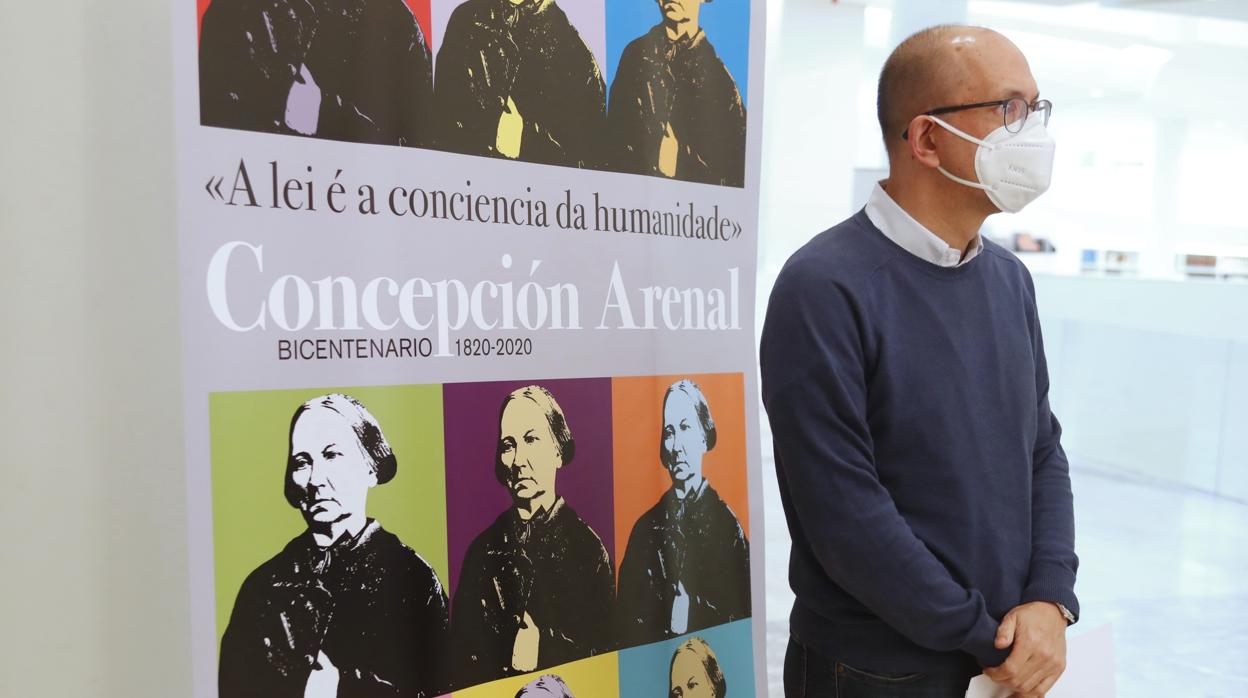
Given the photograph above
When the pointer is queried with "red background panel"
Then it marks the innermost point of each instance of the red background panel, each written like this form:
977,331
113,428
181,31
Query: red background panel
420,8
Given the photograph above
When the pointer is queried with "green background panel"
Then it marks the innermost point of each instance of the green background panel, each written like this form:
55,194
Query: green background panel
251,520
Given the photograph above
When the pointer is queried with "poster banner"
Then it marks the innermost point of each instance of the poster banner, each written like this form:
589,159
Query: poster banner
468,324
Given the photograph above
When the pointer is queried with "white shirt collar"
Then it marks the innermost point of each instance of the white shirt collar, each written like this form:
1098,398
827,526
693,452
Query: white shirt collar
911,236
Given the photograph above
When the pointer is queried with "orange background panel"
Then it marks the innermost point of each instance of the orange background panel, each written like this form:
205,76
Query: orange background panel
637,418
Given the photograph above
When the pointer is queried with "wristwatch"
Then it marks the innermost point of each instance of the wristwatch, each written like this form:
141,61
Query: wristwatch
1070,617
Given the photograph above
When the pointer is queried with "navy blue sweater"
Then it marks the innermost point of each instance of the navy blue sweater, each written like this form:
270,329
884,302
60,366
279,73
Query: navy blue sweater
920,467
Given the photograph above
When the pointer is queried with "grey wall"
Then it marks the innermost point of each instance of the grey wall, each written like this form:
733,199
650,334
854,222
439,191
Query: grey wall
93,582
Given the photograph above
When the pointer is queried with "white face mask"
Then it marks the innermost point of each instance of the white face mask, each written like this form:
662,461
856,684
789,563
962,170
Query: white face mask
1014,168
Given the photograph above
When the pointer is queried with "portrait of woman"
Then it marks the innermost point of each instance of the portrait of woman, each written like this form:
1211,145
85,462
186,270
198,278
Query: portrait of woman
547,686
515,79
695,672
687,564
345,609
346,70
675,110
536,587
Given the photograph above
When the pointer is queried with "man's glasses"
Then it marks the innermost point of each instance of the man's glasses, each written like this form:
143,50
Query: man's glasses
1014,112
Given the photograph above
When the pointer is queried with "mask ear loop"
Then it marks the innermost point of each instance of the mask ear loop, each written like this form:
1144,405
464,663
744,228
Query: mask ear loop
968,137
960,133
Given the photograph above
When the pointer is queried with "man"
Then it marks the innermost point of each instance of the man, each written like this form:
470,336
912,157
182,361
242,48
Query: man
675,110
904,377
516,80
347,70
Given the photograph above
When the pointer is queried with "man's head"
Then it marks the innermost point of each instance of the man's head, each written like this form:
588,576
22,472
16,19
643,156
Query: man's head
948,66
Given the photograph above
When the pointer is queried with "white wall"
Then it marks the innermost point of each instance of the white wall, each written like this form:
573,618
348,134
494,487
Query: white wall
810,139
810,123
1150,377
93,581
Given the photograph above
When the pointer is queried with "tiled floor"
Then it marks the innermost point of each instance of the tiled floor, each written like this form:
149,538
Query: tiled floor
1168,567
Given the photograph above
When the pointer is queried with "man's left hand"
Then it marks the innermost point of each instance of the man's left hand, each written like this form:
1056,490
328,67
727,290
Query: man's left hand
1037,632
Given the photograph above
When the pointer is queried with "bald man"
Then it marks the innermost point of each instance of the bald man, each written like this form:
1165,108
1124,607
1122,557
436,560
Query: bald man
903,372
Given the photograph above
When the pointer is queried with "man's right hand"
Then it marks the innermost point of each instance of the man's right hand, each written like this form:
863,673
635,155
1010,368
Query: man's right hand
1037,632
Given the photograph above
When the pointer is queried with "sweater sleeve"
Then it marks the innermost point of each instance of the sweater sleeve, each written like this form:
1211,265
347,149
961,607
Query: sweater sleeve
1053,559
814,375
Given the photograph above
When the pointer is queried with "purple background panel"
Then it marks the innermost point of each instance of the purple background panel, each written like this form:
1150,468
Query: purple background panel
474,498
588,16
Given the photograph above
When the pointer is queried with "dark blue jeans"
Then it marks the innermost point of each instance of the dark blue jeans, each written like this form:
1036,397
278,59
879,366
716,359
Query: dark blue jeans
808,674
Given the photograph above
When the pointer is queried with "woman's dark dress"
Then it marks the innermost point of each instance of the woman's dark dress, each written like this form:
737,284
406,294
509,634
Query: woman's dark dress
553,567
683,83
531,53
369,58
699,543
370,603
